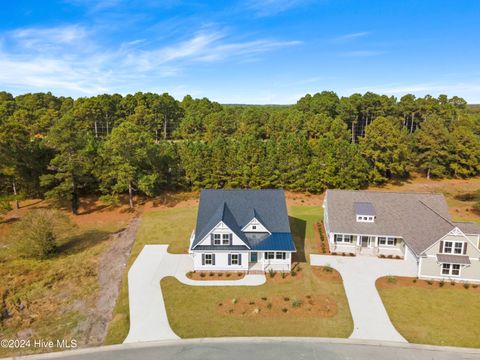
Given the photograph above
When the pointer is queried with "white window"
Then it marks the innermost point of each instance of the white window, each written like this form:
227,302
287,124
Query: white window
453,247
386,241
235,259
217,239
225,239
382,240
208,259
362,218
280,255
254,227
451,269
269,255
339,238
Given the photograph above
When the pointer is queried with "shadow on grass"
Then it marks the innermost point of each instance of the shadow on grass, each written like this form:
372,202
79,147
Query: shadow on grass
299,233
82,242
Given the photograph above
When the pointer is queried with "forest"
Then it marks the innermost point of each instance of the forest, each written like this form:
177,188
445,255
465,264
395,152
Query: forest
62,149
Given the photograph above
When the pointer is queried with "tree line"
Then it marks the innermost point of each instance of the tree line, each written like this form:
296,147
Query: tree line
146,143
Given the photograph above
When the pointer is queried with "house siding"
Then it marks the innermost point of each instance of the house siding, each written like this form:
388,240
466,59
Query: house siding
221,262
221,228
431,269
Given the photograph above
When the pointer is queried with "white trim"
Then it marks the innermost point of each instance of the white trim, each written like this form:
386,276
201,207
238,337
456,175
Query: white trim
450,270
458,232
220,223
256,222
449,278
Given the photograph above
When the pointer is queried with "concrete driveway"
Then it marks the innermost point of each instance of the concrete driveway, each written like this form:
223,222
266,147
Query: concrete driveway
370,319
148,317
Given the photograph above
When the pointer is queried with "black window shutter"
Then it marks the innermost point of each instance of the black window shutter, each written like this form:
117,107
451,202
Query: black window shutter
239,259
441,246
203,259
465,249
211,239
229,259
230,238
213,259
395,242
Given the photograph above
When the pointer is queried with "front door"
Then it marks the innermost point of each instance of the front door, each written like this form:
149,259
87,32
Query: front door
253,257
365,241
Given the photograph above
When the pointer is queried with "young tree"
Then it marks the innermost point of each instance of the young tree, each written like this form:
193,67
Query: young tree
127,161
465,152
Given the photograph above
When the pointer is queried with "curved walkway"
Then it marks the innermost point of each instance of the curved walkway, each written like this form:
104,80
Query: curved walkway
370,319
148,317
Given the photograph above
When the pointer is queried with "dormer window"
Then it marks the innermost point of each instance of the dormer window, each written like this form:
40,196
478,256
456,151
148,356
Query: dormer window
225,239
364,212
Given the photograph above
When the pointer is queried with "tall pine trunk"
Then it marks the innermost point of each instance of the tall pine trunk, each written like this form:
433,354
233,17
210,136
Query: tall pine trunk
428,173
96,129
353,132
165,128
74,203
130,194
14,186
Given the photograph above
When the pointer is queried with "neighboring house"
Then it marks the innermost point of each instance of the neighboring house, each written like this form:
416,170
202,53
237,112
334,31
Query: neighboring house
242,230
415,226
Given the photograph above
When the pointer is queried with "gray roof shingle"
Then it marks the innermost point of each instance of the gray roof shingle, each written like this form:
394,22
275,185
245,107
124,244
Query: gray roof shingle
453,259
419,218
364,208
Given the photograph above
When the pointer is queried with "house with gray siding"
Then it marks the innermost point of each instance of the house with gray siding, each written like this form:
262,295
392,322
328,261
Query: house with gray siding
242,230
416,227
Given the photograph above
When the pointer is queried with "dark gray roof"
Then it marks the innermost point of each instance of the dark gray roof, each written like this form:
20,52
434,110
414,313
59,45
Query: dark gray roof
420,219
237,207
469,228
364,208
453,259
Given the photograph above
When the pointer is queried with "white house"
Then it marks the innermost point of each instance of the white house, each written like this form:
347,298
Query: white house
414,226
242,230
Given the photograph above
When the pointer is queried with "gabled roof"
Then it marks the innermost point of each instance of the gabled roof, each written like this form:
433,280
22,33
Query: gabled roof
237,207
364,208
420,219
468,228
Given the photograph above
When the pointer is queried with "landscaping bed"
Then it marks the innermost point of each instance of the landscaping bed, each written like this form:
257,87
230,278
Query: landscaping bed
215,275
433,312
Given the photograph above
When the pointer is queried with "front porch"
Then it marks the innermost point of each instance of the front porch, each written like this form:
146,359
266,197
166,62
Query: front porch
370,245
264,261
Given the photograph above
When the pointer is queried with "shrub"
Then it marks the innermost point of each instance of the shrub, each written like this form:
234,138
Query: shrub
283,274
414,280
284,310
391,279
234,301
466,285
296,303
202,274
328,268
220,274
38,232
293,272
351,254
220,304
308,296
111,200
264,298
475,286
227,274
269,306
211,274
441,283
452,282
286,298
271,273
333,253
239,274
343,254
381,256
251,303
429,282
390,256
398,257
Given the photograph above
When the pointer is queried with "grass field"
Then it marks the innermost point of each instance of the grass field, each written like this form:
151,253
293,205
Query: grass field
49,299
430,314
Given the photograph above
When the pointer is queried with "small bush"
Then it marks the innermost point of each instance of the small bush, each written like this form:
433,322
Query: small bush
328,268
391,279
333,253
390,256
343,254
296,303
414,280
293,272
475,286
351,254
286,298
308,296
264,298
429,282
211,274
220,304
251,303
466,285
220,274
111,200
284,310
398,257
239,274
452,282
202,274
227,274
283,274
441,283
234,301
271,273
381,256
269,306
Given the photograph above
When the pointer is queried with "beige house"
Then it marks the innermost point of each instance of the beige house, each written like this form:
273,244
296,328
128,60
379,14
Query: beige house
416,227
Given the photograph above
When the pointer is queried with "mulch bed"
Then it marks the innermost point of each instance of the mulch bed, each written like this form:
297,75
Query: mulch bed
321,238
212,275
388,282
276,306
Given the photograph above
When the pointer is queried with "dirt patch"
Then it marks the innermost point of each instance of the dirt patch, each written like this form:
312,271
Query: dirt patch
205,275
280,306
281,277
389,282
326,273
111,266
293,198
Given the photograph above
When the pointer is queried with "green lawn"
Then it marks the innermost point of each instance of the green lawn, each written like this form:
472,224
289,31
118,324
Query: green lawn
174,226
448,315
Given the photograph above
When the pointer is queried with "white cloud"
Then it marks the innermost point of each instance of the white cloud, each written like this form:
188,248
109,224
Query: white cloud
351,36
264,8
68,60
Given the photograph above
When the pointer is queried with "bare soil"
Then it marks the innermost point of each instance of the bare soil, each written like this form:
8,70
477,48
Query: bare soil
275,306
387,282
111,265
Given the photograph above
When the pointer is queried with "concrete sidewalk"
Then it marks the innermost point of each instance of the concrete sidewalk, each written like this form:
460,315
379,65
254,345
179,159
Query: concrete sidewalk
148,317
370,319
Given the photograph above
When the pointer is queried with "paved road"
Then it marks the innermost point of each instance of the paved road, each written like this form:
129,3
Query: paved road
148,317
266,349
370,319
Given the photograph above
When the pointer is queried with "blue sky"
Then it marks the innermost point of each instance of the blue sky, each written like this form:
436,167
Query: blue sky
264,51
